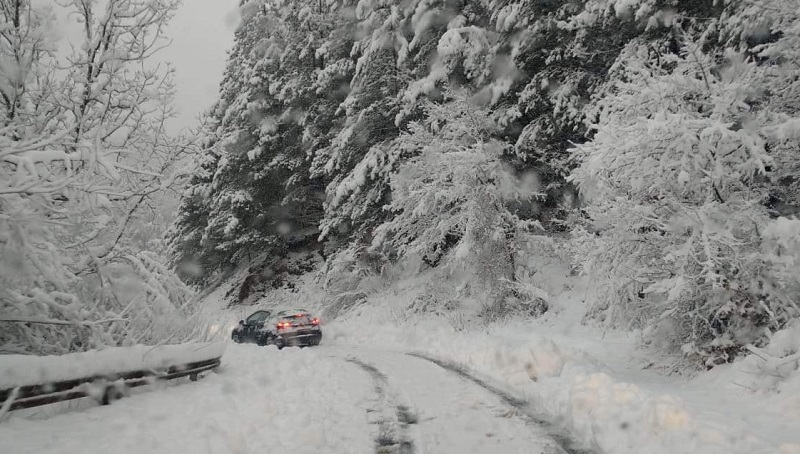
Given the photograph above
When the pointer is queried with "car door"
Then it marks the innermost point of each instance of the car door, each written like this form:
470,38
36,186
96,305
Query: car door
253,324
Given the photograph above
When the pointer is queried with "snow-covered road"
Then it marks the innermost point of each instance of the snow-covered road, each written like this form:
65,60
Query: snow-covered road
325,399
429,409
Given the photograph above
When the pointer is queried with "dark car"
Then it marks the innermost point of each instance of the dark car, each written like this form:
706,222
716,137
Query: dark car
294,327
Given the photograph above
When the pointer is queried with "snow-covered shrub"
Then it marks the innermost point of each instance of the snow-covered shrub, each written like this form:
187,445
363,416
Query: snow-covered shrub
773,369
674,183
351,268
543,271
527,299
340,303
133,299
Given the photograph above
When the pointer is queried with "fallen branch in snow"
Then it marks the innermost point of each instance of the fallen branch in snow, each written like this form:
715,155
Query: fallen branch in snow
788,359
751,389
771,360
758,352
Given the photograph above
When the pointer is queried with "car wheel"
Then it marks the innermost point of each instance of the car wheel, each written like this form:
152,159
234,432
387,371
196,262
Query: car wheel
236,337
279,342
261,341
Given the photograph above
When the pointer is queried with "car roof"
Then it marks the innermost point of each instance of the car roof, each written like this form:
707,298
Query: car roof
293,311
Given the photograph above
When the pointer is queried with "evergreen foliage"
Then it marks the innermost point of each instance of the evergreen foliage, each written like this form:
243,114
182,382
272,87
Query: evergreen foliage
662,134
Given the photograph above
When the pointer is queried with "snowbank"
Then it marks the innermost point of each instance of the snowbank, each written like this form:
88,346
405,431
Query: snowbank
22,370
261,401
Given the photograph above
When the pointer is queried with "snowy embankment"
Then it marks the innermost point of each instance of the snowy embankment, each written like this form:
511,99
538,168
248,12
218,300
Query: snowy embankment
23,370
262,400
597,388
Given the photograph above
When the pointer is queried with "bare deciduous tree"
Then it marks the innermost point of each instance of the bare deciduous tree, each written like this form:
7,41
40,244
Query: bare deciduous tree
84,159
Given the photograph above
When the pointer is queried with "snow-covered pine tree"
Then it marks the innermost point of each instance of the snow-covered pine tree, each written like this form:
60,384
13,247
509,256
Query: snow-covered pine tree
450,190
536,64
393,73
287,75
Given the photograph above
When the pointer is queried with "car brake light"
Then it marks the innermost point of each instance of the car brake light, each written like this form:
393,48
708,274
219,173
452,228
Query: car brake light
282,325
315,322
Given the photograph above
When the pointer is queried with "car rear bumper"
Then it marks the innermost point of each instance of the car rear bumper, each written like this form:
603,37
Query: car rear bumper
301,337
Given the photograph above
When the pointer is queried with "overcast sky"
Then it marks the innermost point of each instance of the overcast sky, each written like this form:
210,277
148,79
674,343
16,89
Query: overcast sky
202,32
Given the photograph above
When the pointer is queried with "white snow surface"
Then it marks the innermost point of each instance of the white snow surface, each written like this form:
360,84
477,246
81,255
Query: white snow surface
337,398
262,400
606,393
600,388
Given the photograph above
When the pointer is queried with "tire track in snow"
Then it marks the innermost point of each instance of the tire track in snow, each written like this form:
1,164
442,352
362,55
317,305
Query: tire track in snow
393,429
565,442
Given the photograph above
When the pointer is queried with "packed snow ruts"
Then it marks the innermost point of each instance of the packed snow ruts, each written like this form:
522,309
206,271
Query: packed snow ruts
519,404
392,437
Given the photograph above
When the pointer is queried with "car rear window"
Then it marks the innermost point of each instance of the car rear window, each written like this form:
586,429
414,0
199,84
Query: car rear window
293,314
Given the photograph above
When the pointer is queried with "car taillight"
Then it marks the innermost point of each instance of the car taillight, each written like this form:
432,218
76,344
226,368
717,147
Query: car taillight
315,322
282,325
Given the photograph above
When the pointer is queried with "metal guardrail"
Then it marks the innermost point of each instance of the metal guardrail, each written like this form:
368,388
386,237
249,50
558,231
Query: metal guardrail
104,388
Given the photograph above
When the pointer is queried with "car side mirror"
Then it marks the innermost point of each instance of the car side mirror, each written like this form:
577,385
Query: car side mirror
241,322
